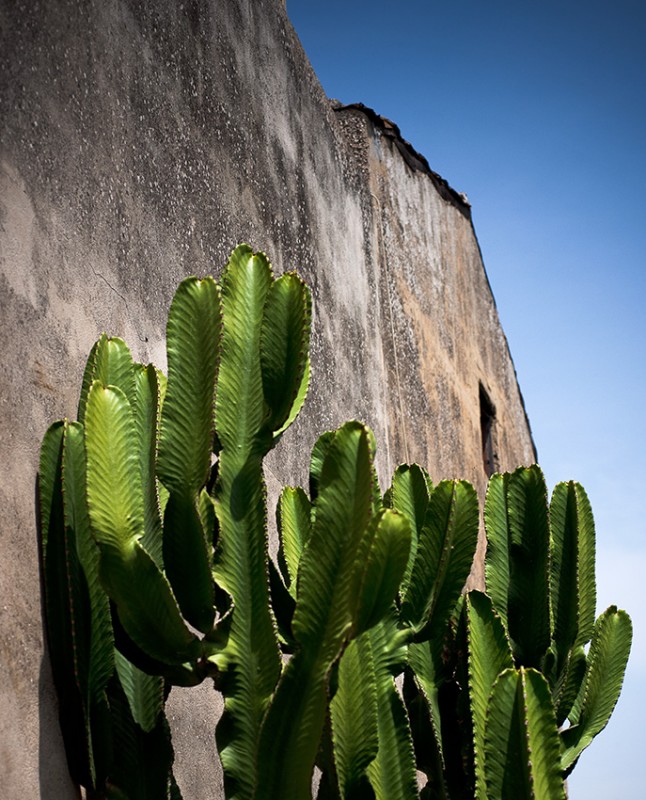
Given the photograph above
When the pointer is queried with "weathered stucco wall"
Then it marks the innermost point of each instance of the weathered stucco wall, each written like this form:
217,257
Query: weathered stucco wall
439,325
139,142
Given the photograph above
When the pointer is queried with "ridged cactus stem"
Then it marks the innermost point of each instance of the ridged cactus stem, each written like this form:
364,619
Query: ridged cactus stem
252,654
261,385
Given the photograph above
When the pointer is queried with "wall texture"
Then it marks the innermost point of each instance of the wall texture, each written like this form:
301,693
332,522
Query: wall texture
140,142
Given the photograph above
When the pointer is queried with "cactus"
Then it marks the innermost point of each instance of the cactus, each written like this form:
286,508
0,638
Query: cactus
444,524
521,741
262,380
113,720
78,616
540,575
348,574
488,655
149,515
156,573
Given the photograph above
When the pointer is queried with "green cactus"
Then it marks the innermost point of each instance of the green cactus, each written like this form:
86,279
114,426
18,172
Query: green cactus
348,574
112,710
601,685
521,745
145,524
540,575
156,572
77,611
444,525
488,655
261,385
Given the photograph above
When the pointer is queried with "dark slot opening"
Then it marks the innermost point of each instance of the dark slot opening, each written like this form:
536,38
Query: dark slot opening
487,419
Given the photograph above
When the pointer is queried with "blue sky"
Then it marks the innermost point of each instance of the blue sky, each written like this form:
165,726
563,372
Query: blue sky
537,111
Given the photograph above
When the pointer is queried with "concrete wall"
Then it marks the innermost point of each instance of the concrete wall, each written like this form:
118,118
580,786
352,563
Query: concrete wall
139,142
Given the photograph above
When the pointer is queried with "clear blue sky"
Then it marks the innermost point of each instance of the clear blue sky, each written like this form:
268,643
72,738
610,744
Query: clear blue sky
537,111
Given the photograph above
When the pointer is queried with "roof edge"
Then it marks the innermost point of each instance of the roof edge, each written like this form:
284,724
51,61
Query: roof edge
414,159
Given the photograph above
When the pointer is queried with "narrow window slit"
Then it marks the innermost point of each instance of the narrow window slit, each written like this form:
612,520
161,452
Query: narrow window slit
487,420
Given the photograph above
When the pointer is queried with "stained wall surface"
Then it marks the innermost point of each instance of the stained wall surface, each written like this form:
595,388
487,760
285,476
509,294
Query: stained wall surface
139,143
